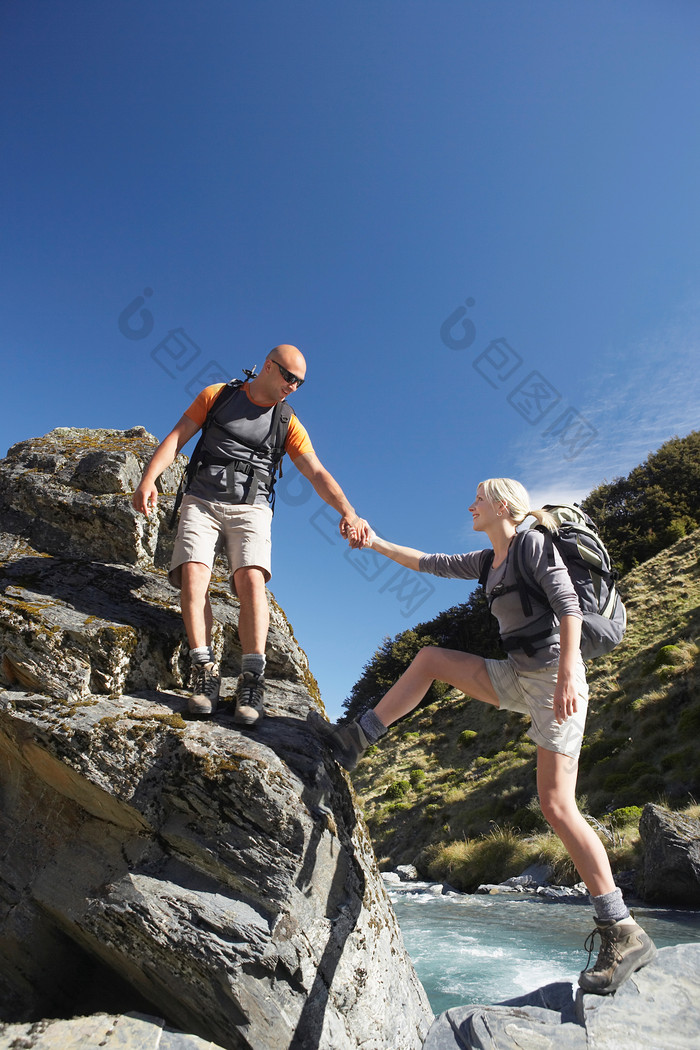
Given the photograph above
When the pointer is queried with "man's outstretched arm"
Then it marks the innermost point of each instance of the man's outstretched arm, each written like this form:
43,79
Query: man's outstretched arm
330,491
145,497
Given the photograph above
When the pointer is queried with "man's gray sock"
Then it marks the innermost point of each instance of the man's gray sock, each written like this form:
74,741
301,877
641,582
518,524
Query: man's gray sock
202,655
371,726
253,662
610,907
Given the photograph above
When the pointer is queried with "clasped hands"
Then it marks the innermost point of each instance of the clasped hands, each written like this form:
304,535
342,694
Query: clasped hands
357,532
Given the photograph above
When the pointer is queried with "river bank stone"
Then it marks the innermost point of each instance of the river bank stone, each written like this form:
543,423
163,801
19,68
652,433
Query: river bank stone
671,872
658,1008
108,1031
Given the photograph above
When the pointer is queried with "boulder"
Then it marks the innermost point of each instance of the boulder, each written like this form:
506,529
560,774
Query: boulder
218,878
407,872
658,1008
112,1032
68,493
671,870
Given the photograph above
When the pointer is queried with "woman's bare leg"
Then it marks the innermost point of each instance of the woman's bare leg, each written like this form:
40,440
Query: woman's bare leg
462,670
556,784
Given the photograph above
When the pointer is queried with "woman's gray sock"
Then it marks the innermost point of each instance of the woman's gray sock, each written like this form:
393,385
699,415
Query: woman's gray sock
610,907
371,726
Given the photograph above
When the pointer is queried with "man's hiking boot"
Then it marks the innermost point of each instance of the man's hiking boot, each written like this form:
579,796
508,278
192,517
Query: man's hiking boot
347,743
205,685
250,692
624,948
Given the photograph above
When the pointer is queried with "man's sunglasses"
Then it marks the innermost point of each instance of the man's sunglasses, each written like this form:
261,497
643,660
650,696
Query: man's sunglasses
289,377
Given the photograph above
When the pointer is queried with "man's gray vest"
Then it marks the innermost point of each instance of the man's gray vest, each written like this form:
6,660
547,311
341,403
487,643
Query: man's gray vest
240,450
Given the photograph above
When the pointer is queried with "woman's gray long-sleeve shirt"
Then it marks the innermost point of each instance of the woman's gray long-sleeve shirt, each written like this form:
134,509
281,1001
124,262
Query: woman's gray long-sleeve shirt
554,580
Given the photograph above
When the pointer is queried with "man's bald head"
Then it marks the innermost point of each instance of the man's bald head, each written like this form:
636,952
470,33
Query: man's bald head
289,357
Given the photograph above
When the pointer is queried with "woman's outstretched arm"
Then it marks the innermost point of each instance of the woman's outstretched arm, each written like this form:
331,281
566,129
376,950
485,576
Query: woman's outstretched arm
407,556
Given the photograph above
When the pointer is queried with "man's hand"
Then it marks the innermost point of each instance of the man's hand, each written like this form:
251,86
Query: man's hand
145,499
357,532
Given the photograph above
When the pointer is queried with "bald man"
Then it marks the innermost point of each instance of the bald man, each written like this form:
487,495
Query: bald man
228,504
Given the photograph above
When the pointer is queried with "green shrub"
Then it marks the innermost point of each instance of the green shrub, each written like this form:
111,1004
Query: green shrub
626,815
398,789
641,769
526,819
689,720
466,737
417,776
680,761
600,748
649,786
667,656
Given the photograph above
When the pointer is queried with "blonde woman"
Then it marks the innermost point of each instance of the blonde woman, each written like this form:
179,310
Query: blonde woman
547,683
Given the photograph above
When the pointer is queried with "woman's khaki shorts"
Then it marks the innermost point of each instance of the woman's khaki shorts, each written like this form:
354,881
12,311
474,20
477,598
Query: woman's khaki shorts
532,693
207,527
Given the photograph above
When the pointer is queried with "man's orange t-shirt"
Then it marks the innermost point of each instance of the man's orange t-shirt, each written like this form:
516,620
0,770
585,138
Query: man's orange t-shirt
298,442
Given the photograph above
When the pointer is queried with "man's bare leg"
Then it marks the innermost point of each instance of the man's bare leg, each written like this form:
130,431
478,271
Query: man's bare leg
198,619
253,626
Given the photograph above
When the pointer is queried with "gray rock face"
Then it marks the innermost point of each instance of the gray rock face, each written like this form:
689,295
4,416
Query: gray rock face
217,878
120,1032
67,494
658,1008
671,872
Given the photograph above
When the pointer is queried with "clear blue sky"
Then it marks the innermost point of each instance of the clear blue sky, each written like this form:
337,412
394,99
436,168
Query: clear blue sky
346,177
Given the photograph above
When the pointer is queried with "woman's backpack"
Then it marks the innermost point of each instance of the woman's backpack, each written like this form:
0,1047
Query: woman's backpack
592,575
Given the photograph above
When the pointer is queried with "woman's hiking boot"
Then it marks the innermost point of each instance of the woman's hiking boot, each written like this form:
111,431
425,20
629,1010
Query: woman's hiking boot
624,948
347,743
205,685
250,693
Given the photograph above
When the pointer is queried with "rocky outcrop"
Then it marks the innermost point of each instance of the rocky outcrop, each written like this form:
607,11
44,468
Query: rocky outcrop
671,872
220,879
107,1031
657,1008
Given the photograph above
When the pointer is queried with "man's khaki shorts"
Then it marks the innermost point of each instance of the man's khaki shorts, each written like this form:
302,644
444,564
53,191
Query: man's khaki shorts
532,693
207,527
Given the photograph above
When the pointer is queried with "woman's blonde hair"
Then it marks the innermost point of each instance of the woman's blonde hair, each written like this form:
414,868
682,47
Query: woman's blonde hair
517,501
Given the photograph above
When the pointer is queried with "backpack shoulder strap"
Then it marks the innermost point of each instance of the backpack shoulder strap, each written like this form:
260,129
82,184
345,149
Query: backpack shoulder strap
227,390
222,398
522,569
486,563
281,419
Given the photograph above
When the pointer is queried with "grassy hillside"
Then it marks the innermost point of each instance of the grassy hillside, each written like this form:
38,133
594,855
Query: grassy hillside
452,787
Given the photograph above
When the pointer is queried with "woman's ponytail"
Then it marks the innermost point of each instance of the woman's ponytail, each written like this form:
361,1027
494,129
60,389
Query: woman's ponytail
515,497
545,519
